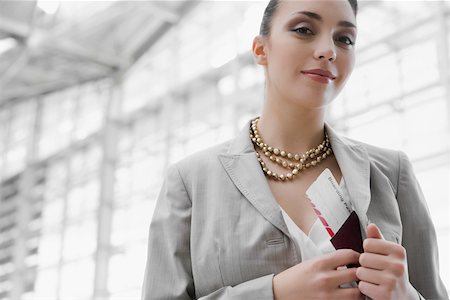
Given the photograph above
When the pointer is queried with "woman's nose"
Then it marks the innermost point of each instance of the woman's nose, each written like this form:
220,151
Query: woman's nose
326,50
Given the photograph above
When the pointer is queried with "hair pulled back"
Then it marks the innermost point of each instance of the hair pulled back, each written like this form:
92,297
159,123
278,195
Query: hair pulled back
272,7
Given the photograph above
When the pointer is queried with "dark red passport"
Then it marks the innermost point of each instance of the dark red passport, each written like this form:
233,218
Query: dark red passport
349,236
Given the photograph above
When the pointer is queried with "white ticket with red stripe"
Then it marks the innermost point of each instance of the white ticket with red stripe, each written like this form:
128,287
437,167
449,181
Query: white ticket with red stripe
330,202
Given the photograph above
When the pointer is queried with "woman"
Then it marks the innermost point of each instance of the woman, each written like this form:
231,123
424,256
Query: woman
226,220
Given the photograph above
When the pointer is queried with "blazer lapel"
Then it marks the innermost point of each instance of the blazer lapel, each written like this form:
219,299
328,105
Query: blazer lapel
353,161
245,171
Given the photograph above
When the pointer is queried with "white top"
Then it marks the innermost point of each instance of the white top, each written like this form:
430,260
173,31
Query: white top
317,242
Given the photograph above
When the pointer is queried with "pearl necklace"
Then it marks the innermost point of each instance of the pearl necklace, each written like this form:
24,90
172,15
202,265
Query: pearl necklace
292,161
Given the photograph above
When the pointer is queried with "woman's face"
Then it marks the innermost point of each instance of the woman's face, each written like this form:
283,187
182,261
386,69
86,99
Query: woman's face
306,37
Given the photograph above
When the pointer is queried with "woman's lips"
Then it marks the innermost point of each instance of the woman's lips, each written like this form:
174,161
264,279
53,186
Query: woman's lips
318,78
320,75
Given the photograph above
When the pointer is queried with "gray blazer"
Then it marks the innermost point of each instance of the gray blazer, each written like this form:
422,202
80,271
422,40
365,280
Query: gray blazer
218,233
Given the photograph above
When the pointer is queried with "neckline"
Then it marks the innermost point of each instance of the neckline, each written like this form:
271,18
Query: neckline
293,224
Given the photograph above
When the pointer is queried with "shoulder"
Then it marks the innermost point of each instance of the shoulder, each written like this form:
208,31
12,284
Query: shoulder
200,173
385,159
386,163
382,156
201,162
389,161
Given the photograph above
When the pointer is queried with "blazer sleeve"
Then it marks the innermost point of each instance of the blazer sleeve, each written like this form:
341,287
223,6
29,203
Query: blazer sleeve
419,236
168,273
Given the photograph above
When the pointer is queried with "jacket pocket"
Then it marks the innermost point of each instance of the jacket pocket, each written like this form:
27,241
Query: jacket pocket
252,252
275,241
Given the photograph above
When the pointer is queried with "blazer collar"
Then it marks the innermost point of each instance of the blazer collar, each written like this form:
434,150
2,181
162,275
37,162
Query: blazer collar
354,163
242,166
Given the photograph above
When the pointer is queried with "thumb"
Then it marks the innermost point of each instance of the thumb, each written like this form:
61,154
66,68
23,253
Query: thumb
374,232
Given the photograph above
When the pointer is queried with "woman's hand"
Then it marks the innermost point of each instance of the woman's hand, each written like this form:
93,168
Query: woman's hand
318,278
384,271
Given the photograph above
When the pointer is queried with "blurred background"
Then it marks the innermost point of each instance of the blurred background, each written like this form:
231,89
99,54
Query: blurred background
97,98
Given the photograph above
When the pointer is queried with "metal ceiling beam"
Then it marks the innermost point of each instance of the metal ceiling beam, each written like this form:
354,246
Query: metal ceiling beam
14,67
162,30
167,16
36,77
21,59
84,52
163,13
54,41
18,30
103,19
25,92
42,39
139,39
33,72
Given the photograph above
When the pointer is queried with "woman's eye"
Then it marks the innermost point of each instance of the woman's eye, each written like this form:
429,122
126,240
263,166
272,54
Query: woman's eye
303,30
346,40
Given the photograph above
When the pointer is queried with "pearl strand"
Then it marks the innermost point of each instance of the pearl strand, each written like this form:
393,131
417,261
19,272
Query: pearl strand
295,162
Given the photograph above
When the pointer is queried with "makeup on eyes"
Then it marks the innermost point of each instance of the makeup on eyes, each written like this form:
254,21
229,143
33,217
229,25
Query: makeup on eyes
295,24
303,25
308,15
319,18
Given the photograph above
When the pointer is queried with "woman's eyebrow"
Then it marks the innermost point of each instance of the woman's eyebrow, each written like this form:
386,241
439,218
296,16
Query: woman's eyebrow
317,17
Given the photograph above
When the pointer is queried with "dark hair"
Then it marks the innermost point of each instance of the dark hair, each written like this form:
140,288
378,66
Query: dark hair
272,7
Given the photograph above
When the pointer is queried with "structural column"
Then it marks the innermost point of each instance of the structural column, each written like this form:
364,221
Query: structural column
106,201
24,206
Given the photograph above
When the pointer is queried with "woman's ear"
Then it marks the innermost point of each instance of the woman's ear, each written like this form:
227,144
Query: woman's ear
259,50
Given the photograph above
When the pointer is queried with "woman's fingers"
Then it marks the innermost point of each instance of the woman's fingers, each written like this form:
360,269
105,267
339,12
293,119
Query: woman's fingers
369,289
370,275
339,258
318,276
379,246
344,276
374,232
383,272
373,261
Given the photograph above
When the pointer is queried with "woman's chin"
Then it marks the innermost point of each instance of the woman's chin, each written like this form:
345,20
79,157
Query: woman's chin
312,103
313,99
